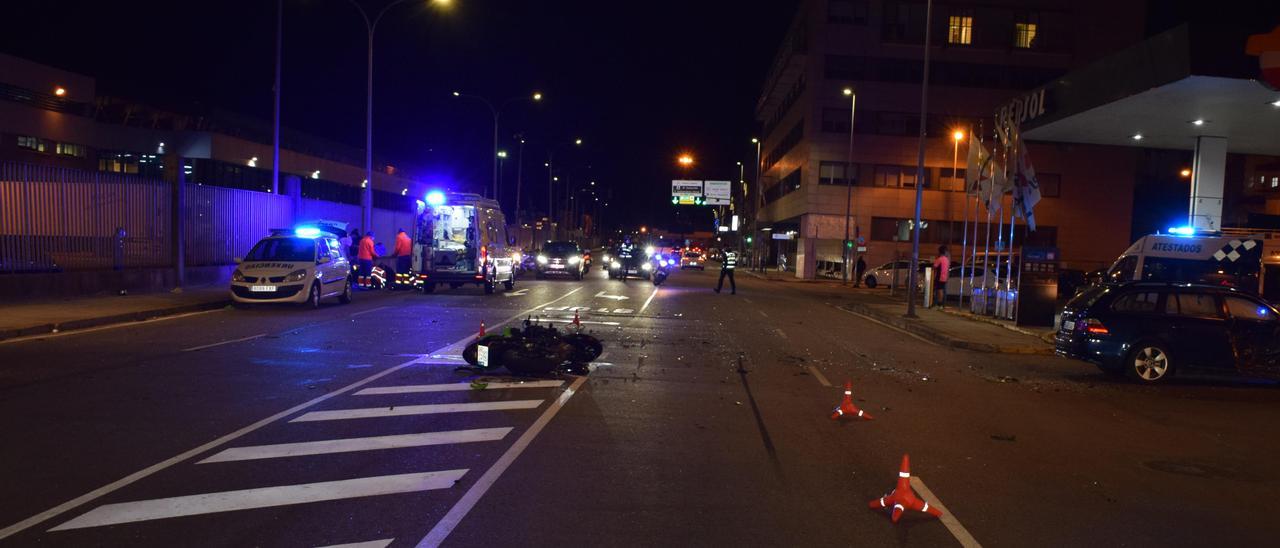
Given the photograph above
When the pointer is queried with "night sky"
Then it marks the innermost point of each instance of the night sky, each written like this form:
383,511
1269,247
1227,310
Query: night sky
638,81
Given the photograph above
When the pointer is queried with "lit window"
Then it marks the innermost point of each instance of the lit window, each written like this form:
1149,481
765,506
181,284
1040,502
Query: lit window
68,149
32,143
961,30
1024,35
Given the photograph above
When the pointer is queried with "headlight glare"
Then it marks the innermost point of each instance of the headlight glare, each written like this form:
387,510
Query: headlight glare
542,259
646,266
575,259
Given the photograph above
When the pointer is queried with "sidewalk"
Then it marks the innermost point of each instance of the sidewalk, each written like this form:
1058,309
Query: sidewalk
774,275
48,316
951,328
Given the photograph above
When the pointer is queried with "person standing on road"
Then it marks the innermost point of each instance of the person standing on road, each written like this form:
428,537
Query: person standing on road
729,263
858,269
941,265
403,253
364,257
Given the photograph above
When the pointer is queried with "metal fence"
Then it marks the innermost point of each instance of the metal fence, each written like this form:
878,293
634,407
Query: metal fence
54,219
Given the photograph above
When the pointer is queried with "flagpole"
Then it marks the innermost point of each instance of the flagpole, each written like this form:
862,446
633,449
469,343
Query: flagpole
1013,222
1004,170
964,240
977,199
986,251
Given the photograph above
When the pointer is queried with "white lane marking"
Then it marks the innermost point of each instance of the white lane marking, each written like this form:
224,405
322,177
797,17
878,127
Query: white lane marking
516,293
451,520
261,497
453,349
581,321
948,519
650,299
603,295
762,313
452,387
749,301
407,410
106,327
363,312
380,543
232,341
780,332
817,374
895,328
350,445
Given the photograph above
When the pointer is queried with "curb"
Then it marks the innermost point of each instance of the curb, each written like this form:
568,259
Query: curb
918,328
99,321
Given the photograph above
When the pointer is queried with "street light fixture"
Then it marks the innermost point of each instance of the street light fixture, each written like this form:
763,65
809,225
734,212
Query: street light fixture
848,183
685,160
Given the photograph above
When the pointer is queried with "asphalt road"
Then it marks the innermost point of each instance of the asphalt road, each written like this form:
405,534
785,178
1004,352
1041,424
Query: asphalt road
706,422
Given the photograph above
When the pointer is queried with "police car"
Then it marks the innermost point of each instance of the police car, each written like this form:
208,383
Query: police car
303,265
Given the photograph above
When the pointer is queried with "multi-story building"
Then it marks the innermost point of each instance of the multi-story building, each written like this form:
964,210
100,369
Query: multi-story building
983,55
54,117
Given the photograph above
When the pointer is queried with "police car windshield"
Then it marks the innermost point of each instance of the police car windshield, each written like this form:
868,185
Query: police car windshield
283,249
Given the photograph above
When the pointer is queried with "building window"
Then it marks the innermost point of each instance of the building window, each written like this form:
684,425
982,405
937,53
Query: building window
835,120
960,28
951,181
849,12
834,173
1024,32
898,176
32,143
68,149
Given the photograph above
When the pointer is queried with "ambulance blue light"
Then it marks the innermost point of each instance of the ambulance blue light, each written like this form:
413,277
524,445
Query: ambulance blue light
307,232
435,198
1183,230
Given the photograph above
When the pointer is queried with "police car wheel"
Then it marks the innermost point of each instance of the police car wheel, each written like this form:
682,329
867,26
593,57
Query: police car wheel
313,301
345,297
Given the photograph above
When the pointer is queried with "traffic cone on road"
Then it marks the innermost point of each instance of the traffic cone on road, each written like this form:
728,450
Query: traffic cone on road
480,335
902,497
576,322
847,407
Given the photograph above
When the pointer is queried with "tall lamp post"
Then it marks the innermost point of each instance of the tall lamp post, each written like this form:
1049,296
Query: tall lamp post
759,205
848,179
275,124
497,113
366,194
924,112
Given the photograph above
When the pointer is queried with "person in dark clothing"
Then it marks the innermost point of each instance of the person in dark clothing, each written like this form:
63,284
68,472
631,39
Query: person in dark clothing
729,263
858,269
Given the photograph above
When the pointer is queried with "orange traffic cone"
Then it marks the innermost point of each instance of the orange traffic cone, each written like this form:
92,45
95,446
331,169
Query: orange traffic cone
481,334
576,322
902,497
847,407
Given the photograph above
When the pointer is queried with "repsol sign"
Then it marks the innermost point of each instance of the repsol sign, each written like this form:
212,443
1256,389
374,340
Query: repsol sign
1020,109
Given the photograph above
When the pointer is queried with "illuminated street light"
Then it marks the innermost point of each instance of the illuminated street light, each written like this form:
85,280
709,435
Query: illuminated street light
253,162
1185,173
537,96
848,92
315,174
685,160
59,91
502,154
958,136
577,142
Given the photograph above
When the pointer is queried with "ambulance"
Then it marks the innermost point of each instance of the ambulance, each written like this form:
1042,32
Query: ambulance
461,239
1241,260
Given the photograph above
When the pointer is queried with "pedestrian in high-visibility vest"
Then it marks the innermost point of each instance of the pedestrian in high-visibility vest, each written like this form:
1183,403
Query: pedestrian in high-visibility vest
364,257
727,265
403,253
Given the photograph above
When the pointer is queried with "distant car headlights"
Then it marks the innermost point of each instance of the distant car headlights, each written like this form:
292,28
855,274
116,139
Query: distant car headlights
542,259
296,276
646,267
649,251
515,256
237,276
615,264
575,259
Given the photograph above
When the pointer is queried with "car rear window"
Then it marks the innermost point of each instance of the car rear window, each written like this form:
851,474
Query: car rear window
1137,302
1086,298
1200,305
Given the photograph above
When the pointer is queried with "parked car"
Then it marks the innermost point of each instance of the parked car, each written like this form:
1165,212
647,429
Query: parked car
300,266
883,274
1152,331
956,274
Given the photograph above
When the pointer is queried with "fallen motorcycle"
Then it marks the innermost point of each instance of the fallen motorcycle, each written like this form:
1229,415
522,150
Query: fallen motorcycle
534,350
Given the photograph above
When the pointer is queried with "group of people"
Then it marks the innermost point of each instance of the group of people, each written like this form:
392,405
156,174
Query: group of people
366,250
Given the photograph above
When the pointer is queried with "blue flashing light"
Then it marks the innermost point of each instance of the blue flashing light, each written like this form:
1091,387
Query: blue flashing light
1183,230
435,198
307,232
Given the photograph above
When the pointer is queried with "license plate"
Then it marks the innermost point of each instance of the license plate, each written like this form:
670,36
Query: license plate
263,288
557,266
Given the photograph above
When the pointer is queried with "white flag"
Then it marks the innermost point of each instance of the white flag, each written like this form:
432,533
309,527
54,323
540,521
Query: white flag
976,167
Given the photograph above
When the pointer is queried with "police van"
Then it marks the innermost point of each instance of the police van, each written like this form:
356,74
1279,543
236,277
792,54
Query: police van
461,239
1233,260
300,265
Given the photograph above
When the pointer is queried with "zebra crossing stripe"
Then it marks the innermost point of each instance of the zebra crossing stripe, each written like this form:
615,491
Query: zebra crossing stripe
351,445
262,497
453,386
407,410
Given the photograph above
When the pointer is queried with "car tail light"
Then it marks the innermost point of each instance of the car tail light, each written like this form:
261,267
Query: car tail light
1093,327
484,257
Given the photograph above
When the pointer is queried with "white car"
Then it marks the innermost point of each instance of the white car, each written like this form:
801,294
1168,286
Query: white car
955,275
300,266
883,275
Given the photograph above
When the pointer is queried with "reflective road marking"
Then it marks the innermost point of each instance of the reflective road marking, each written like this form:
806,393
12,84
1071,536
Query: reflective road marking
349,445
194,348
453,386
262,497
406,410
958,531
381,543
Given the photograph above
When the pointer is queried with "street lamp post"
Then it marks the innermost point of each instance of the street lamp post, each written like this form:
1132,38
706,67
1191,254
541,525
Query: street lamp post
924,111
848,200
275,126
759,205
497,114
366,194
502,155
519,177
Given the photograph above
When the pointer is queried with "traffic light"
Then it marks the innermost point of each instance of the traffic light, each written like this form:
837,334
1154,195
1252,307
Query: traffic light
848,244
749,238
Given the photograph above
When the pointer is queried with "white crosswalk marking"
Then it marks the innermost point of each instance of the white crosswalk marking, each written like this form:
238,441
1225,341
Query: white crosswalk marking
263,497
453,386
349,445
380,543
405,410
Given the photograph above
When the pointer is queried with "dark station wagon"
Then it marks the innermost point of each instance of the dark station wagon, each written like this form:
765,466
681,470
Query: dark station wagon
1152,331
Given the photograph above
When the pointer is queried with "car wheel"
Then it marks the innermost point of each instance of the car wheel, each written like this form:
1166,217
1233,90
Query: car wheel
510,284
871,281
489,287
1149,363
345,297
313,301
578,276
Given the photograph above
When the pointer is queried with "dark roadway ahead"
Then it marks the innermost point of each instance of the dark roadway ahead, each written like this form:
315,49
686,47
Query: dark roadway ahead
704,423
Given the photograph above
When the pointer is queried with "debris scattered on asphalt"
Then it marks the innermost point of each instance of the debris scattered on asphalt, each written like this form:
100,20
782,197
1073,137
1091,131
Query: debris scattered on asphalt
1005,379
